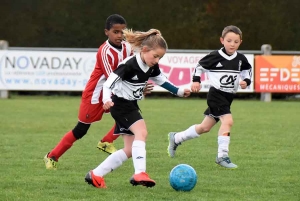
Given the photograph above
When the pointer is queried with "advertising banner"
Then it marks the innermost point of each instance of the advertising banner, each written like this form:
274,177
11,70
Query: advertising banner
70,71
45,70
279,74
178,67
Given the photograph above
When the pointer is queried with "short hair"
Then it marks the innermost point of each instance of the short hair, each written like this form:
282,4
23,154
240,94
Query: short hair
231,28
114,19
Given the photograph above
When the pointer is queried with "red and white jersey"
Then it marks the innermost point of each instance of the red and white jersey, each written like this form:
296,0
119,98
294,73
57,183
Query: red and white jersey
108,59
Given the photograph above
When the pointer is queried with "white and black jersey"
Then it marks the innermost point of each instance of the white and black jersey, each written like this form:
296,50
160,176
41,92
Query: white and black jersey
127,83
224,71
129,79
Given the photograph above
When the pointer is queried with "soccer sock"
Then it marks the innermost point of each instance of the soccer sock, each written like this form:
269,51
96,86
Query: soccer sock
223,145
139,156
110,137
65,143
189,133
111,163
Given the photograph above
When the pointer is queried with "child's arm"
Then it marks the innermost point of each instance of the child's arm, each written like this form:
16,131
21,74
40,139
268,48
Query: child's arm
107,89
246,73
162,81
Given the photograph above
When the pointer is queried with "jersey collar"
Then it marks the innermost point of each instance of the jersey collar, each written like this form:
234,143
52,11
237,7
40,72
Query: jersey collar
142,65
226,56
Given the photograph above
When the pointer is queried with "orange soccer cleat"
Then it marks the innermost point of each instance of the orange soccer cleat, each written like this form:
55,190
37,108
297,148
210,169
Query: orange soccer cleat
142,179
94,180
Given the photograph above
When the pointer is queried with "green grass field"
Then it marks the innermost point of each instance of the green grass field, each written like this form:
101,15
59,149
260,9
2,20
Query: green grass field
264,143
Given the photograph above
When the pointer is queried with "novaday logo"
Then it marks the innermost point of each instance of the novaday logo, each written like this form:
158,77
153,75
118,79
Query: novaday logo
25,62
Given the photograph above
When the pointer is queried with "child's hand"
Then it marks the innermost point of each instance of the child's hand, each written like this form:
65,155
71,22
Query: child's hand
187,92
108,105
243,84
148,88
195,87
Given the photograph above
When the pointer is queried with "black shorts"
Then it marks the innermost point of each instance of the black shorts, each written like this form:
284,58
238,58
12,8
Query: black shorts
125,113
218,102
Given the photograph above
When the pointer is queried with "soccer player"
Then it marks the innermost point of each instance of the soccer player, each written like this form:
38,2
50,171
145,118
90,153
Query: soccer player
110,53
126,84
227,69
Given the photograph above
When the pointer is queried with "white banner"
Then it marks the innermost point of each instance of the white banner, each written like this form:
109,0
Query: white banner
45,70
70,71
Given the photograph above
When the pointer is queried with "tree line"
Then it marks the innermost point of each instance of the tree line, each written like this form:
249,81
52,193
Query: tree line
188,24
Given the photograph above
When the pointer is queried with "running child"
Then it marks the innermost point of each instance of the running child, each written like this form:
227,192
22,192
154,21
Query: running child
227,70
126,84
109,55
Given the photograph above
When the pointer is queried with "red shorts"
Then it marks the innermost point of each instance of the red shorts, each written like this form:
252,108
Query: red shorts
89,113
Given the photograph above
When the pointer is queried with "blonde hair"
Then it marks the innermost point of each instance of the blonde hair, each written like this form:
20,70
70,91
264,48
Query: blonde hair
231,28
152,39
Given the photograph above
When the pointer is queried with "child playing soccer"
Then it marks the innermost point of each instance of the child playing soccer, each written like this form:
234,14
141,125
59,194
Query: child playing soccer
225,68
109,55
126,84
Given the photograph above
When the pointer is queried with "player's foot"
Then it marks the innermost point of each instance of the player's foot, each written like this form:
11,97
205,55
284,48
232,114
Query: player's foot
94,180
172,145
50,163
225,162
106,147
142,179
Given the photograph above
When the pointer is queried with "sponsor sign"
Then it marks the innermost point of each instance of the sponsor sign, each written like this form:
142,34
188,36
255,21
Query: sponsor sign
70,71
277,74
45,70
179,67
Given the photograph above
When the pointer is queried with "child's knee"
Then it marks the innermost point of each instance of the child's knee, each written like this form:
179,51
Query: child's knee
202,128
128,151
141,135
229,122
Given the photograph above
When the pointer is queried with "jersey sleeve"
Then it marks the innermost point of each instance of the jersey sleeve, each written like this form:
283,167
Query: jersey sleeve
246,70
203,65
111,81
160,79
157,76
105,62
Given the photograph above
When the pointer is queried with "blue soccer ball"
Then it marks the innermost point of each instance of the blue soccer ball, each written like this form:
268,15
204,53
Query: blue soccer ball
183,177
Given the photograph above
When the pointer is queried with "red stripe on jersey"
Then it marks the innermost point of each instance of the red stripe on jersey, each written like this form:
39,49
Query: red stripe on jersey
108,59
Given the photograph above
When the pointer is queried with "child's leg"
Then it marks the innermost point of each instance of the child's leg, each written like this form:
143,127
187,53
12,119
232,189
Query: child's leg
106,144
68,139
116,159
224,135
140,176
110,137
195,130
223,142
111,163
139,146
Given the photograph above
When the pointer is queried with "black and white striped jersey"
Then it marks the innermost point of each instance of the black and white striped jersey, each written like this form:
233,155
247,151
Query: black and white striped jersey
129,79
224,71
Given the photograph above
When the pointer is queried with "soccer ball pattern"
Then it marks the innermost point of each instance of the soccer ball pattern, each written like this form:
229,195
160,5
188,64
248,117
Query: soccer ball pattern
183,177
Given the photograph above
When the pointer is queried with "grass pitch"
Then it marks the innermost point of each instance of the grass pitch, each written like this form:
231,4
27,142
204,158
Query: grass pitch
264,144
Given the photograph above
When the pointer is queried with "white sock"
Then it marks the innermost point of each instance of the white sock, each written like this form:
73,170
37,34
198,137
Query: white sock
189,133
111,163
223,145
139,156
